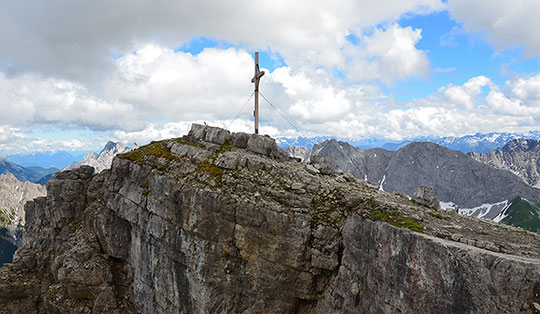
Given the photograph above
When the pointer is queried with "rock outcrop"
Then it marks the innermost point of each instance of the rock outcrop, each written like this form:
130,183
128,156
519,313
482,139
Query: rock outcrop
425,196
519,156
300,152
220,222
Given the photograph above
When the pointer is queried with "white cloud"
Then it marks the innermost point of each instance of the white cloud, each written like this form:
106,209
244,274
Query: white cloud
77,40
388,55
310,101
19,142
505,23
9,134
466,109
157,93
111,67
526,90
57,69
32,99
164,85
465,96
153,132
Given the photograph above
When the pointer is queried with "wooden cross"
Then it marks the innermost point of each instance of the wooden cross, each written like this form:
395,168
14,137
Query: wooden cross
256,78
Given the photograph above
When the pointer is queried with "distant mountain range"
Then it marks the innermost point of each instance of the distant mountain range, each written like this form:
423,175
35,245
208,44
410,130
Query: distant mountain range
33,174
460,182
30,169
57,160
454,176
480,142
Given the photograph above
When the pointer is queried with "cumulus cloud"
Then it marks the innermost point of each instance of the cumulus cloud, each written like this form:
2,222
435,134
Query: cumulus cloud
77,40
388,55
466,95
32,99
505,23
158,84
157,93
468,108
527,90
9,134
166,85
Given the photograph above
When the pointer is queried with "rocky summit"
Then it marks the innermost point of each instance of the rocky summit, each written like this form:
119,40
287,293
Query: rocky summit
220,222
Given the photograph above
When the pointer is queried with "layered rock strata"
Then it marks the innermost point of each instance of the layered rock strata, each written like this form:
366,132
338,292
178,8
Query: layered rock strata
223,223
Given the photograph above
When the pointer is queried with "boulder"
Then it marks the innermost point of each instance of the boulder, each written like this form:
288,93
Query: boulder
426,196
322,163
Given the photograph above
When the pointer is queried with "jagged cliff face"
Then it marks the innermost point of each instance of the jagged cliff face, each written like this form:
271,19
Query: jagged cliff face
223,223
520,156
13,195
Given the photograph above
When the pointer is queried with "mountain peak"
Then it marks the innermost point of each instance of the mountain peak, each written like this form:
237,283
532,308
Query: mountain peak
223,222
113,147
104,159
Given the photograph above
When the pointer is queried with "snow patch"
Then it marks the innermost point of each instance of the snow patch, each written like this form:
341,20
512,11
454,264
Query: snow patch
495,211
448,206
382,181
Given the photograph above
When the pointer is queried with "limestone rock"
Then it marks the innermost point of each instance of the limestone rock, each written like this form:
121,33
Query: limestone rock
190,226
209,134
425,196
239,139
265,145
322,163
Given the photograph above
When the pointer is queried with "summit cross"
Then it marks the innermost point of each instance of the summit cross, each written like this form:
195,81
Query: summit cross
256,78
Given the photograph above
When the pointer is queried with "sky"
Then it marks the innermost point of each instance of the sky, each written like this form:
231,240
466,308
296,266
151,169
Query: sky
75,74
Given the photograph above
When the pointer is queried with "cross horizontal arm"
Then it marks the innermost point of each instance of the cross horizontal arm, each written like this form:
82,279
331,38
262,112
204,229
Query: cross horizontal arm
257,76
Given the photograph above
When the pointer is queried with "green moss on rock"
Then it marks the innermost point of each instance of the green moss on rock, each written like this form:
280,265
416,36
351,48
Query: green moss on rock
158,149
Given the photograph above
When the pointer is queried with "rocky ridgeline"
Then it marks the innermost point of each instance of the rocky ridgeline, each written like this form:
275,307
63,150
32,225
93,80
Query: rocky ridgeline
519,156
220,222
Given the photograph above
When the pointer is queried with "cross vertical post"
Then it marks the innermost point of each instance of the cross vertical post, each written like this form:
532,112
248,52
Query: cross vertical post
256,78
